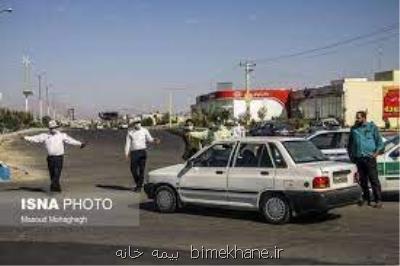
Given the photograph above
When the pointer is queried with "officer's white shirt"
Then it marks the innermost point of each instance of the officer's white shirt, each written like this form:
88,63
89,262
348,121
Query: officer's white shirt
137,140
54,142
238,132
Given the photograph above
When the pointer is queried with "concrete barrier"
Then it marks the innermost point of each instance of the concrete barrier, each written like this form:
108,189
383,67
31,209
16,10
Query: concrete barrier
23,131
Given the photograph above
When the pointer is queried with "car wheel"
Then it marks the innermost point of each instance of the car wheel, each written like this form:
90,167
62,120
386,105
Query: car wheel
165,199
276,209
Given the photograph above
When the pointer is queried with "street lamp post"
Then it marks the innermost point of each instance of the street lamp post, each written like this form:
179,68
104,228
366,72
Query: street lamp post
40,75
248,68
27,93
8,10
170,102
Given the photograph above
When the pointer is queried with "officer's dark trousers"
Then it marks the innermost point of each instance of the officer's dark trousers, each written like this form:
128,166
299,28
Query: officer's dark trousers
367,170
55,165
138,165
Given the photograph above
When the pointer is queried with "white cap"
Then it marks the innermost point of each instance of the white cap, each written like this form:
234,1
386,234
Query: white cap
53,124
136,120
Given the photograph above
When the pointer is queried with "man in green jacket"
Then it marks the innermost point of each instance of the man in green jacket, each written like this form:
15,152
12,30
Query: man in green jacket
365,144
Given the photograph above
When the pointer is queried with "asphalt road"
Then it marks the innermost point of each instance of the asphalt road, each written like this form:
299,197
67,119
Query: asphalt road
350,235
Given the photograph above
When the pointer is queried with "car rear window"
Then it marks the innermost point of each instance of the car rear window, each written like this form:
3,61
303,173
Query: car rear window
303,151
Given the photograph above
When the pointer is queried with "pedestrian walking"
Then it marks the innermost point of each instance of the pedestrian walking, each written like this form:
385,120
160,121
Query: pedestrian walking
54,142
135,150
365,144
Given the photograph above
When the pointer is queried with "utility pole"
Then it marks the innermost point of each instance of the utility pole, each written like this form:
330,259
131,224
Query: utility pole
40,98
47,100
380,54
71,113
53,105
248,68
27,91
170,109
54,111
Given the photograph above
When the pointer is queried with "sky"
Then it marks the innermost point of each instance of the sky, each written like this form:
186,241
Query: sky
127,55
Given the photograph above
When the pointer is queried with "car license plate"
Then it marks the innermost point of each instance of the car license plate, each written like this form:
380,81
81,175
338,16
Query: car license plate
339,179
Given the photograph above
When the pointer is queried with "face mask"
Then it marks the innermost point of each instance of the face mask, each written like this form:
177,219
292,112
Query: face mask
190,127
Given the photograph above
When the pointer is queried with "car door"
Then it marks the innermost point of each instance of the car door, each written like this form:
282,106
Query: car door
252,171
388,169
285,177
204,180
342,154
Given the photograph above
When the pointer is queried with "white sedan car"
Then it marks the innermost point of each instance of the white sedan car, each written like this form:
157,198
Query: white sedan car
279,176
333,143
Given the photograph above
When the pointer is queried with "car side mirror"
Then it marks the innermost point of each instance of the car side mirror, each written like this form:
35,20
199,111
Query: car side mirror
395,154
190,162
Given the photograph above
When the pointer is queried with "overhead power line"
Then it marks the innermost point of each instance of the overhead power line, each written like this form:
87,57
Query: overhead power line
377,40
330,46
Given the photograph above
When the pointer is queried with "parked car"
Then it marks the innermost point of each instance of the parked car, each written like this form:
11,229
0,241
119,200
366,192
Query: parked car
388,166
333,143
123,126
272,128
280,177
99,126
324,124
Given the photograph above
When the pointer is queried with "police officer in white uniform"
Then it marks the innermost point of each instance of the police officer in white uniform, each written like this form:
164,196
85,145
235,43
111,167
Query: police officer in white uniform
135,149
54,141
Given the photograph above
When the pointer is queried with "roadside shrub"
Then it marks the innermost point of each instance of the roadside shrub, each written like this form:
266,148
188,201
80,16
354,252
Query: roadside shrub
11,120
147,122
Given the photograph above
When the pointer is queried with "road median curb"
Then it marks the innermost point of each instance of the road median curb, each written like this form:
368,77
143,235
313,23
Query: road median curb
23,131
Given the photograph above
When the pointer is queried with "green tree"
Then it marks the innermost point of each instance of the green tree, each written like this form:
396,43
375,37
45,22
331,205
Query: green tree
165,119
148,121
245,117
262,112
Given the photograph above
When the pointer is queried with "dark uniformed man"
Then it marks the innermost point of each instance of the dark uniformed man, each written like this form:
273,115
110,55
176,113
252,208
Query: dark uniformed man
365,144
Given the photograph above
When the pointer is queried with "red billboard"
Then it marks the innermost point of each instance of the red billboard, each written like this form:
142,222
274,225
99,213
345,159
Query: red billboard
282,95
391,101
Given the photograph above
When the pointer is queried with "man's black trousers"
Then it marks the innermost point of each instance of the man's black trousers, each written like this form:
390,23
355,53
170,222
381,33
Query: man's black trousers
367,170
55,165
138,165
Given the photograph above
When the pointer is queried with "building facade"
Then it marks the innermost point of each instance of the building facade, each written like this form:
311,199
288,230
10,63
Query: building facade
275,102
343,98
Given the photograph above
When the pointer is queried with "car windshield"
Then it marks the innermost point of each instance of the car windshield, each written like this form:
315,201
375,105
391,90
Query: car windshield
284,126
304,151
391,142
